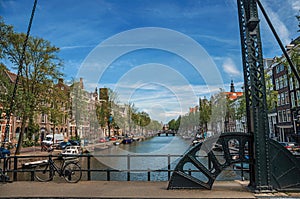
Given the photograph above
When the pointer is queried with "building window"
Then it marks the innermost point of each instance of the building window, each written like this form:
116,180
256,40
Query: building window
291,84
280,82
287,100
276,84
298,97
284,116
278,100
296,84
293,99
288,115
285,81
282,99
279,68
279,116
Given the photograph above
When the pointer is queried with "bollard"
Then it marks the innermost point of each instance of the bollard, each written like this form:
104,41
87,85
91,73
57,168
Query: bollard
242,171
15,172
148,173
128,167
89,168
108,174
169,166
32,175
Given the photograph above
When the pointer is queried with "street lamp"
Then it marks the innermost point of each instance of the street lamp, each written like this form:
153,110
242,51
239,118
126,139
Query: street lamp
110,119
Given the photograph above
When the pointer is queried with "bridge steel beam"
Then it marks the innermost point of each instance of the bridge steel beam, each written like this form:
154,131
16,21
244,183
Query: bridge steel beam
272,167
201,165
255,94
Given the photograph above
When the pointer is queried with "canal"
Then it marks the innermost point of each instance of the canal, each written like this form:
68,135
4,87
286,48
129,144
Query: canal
149,160
139,157
153,154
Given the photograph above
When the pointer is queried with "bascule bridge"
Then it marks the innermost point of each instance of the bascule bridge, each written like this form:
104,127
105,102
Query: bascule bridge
272,167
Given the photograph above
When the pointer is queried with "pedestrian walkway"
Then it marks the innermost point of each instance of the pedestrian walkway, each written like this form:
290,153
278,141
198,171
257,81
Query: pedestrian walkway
118,189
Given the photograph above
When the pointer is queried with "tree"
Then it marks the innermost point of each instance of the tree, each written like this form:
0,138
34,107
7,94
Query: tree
172,124
205,112
5,32
141,119
240,112
218,110
40,69
270,93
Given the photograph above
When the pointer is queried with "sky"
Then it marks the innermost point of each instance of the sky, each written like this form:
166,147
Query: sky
160,55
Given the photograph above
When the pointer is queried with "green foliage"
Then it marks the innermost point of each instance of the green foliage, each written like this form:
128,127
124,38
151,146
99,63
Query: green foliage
40,68
141,118
240,112
205,112
28,143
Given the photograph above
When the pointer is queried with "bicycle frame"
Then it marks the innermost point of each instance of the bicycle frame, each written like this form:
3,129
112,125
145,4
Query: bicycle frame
54,167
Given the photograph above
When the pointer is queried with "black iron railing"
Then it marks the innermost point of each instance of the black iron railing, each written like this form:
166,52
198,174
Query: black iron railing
19,166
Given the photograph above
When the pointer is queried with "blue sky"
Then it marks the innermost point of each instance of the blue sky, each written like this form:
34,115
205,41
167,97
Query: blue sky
157,76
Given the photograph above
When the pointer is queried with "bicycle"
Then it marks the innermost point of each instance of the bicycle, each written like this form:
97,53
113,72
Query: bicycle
69,169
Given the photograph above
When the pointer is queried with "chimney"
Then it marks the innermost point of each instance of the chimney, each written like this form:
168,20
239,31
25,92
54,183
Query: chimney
81,82
60,81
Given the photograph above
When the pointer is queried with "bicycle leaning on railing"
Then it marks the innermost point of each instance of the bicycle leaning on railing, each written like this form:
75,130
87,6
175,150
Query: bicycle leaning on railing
69,169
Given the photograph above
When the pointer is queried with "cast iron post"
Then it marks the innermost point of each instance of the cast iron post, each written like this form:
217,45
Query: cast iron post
255,93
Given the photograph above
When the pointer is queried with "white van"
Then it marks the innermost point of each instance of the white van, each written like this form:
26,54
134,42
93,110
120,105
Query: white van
58,138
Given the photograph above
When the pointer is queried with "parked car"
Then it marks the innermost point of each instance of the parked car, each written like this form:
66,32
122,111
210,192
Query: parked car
296,147
102,140
74,147
63,145
75,142
58,138
112,138
291,146
72,150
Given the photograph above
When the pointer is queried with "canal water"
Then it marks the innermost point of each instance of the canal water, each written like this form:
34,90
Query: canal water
152,155
140,157
146,160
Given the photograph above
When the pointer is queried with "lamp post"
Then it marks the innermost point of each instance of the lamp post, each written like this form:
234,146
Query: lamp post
108,124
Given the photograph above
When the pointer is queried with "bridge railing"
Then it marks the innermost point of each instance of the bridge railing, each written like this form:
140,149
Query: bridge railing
21,168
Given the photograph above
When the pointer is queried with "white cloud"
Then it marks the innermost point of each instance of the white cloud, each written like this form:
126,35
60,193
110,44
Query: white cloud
280,27
230,68
295,5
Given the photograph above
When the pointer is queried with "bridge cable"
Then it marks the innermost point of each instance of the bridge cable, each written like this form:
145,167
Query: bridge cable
9,111
293,68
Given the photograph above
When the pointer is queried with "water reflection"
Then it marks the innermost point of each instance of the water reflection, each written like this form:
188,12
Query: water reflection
152,147
139,157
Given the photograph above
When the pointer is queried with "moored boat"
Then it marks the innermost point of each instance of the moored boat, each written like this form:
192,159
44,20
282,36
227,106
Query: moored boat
127,140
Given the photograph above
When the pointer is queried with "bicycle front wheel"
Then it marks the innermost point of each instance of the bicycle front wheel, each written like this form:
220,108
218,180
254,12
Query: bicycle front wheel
43,173
72,172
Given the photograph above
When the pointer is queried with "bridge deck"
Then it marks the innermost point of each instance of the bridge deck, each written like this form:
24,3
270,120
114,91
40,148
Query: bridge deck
118,189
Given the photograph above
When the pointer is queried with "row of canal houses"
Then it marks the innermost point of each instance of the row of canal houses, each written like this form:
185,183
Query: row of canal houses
284,119
284,114
68,126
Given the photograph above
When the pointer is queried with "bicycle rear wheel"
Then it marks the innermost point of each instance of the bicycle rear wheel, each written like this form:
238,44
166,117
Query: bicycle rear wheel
43,173
72,172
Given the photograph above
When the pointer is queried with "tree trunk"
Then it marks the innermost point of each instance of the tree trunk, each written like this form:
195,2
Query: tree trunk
20,141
